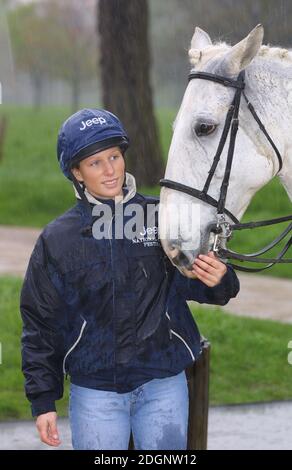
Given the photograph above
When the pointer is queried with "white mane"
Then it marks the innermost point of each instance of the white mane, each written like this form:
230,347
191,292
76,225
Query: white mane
198,58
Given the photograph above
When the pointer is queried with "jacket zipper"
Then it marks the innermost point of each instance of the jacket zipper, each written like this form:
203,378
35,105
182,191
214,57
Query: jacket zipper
143,268
110,238
145,273
172,332
74,345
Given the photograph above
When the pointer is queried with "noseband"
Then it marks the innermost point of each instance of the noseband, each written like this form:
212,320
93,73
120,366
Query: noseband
222,229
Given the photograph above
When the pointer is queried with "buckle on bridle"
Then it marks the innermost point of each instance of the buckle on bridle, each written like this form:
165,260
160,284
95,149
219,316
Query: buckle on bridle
222,230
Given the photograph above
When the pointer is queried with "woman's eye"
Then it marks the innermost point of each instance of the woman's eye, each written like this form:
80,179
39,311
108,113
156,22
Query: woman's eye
204,129
94,163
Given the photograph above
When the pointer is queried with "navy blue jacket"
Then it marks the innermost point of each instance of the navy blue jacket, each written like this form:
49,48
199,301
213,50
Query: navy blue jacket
111,313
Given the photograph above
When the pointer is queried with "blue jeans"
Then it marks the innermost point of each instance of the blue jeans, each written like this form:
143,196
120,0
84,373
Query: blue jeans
156,413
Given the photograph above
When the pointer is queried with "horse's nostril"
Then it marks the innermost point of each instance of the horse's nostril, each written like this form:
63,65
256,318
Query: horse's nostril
173,252
181,260
172,245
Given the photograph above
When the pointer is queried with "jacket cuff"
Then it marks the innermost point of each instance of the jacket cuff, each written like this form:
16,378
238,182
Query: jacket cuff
232,281
43,404
227,288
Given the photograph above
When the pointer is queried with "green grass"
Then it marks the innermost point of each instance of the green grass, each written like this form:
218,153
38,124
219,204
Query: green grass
13,404
33,191
271,201
248,357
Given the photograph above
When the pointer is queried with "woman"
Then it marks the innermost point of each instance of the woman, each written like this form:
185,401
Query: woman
101,303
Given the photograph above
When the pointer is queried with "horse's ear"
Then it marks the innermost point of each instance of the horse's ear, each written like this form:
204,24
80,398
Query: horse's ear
243,52
200,39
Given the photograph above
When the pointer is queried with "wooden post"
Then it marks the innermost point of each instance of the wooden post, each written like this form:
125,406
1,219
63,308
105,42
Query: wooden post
198,384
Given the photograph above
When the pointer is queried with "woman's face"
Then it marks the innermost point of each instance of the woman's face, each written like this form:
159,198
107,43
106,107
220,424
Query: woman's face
102,173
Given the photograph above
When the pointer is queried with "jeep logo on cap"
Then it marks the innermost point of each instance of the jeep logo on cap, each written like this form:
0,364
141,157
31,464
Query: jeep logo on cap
90,122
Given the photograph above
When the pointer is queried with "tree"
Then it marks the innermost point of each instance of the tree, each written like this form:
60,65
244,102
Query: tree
27,32
71,42
55,39
124,64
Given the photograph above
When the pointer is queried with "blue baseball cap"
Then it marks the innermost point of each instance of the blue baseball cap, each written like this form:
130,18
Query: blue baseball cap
87,132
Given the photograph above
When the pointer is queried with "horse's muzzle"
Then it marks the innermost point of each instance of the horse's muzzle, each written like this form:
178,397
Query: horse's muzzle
181,258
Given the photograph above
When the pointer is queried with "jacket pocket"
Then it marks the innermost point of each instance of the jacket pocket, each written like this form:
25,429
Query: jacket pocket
148,285
74,345
172,333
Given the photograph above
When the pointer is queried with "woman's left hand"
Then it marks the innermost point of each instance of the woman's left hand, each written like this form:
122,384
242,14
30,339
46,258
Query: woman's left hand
209,269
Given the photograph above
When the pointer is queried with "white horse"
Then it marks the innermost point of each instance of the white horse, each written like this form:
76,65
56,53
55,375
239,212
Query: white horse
197,131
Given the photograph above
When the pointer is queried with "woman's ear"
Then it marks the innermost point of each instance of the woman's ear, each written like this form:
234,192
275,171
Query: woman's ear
76,172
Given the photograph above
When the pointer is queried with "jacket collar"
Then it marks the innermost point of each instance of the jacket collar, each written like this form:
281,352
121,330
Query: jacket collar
129,191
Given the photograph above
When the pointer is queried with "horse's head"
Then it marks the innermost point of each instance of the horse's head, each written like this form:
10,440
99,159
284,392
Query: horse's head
185,222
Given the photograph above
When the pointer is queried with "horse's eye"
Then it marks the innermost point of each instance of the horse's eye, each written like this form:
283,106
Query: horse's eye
204,129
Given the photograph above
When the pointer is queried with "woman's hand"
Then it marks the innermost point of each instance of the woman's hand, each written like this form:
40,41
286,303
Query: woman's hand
47,427
209,269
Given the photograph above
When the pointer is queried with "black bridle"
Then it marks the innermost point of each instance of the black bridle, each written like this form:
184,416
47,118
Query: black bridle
223,229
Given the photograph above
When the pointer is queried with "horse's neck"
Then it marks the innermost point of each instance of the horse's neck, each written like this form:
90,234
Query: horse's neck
275,103
286,175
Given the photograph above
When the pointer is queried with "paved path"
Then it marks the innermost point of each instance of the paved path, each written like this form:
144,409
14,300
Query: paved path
263,297
266,426
16,245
